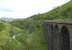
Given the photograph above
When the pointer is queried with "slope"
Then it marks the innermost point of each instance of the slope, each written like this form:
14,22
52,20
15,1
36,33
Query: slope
33,26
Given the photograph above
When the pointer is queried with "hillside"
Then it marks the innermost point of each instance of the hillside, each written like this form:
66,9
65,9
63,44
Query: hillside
33,26
7,39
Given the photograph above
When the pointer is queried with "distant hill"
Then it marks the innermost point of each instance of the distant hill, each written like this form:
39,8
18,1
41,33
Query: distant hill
63,12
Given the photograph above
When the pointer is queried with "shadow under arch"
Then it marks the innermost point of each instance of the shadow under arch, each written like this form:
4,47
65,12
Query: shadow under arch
51,27
65,38
56,28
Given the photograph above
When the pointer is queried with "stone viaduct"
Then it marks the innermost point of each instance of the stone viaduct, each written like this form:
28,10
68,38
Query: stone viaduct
58,34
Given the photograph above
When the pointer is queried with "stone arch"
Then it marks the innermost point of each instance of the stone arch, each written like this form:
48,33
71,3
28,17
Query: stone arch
51,28
56,37
49,35
65,38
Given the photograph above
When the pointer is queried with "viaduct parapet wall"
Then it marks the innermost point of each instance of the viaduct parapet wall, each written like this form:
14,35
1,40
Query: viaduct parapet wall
58,34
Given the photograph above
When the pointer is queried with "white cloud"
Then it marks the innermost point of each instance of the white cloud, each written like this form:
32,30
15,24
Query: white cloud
25,8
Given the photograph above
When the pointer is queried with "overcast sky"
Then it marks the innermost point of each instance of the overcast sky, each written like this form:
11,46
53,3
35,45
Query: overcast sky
26,8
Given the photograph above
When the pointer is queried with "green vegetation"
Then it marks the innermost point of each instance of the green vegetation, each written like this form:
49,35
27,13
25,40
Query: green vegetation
28,34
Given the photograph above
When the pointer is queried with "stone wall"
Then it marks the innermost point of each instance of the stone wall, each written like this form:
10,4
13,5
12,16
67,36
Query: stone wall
58,35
